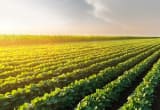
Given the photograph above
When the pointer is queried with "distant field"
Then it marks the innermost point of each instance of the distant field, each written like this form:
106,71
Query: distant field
78,74
12,40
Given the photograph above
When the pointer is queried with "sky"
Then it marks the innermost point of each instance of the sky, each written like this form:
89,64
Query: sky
84,17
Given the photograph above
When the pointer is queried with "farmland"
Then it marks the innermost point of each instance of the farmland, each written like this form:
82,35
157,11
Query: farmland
79,73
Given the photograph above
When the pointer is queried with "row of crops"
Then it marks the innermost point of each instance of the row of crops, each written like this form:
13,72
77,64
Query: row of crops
108,75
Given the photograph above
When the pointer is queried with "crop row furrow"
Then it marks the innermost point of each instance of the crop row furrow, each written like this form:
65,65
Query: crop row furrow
44,63
143,96
69,67
38,60
29,92
54,62
104,98
69,96
16,83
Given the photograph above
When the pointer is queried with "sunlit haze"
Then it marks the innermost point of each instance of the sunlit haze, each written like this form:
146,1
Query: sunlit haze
104,17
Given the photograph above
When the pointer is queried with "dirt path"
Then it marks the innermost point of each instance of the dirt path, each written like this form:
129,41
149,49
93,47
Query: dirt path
156,104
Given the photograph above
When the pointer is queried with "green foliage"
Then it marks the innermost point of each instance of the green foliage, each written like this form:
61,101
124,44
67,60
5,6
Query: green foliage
142,97
71,94
45,77
103,98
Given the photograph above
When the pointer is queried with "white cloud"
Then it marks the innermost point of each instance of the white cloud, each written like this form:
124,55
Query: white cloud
26,16
100,9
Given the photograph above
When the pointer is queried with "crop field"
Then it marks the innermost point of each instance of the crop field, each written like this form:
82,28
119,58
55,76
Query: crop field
84,75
